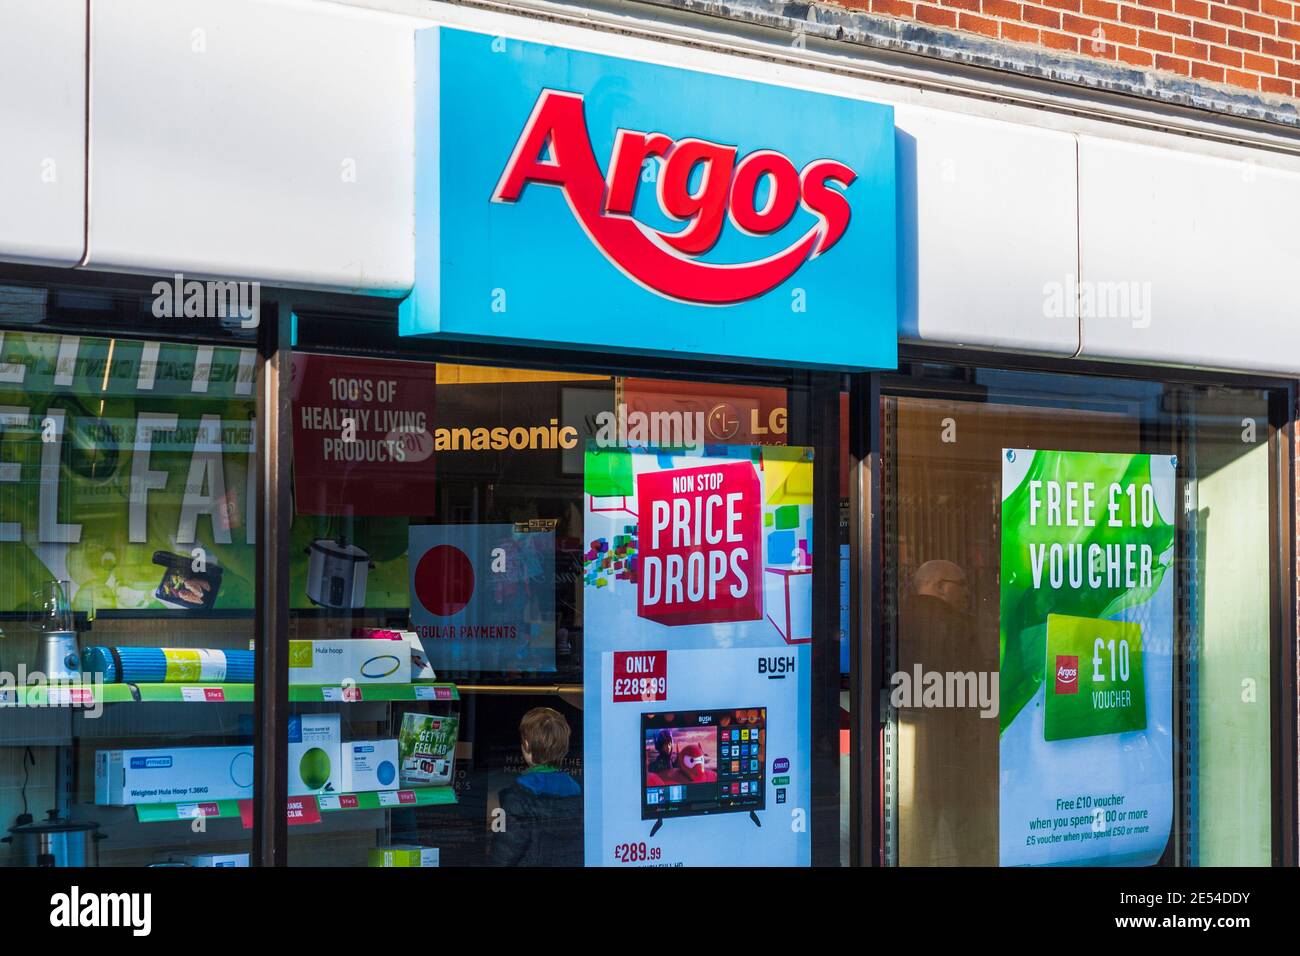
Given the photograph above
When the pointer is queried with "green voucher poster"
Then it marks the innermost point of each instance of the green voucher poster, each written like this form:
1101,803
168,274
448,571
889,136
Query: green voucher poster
1085,655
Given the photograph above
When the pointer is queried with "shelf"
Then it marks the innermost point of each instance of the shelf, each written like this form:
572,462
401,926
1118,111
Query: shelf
334,693
313,805
84,695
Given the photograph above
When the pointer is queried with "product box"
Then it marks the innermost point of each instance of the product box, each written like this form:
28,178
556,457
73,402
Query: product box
404,855
427,747
173,775
356,660
369,765
315,754
218,859
421,669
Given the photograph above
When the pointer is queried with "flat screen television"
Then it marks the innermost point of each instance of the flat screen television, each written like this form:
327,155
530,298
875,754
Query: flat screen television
695,762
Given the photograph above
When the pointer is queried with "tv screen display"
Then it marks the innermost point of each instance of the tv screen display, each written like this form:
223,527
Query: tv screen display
703,761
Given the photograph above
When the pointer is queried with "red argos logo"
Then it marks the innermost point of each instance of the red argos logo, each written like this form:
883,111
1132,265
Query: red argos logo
554,149
1067,674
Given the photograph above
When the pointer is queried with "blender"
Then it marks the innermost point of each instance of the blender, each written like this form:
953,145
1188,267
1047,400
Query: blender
58,656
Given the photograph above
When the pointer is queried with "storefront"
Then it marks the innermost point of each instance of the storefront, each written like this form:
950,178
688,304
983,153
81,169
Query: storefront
820,451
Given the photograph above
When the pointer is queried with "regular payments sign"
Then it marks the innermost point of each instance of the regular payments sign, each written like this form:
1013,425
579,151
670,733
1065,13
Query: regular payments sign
1086,661
572,198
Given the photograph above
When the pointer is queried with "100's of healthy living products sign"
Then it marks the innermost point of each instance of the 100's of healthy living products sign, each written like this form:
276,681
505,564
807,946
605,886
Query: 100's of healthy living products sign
1086,692
696,578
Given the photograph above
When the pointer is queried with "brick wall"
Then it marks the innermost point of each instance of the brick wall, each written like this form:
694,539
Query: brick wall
1246,44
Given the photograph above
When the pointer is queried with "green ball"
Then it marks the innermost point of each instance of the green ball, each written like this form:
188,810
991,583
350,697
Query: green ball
314,768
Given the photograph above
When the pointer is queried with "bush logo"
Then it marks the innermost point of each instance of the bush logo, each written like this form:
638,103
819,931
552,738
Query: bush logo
554,149
1067,674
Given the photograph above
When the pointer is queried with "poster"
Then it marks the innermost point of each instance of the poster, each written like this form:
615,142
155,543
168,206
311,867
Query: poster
697,582
362,438
125,469
483,596
1086,692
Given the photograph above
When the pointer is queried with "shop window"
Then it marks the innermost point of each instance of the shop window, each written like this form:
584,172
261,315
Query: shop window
598,592
1079,577
127,557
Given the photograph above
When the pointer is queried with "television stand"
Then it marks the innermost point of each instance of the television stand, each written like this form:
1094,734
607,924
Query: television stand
757,822
655,829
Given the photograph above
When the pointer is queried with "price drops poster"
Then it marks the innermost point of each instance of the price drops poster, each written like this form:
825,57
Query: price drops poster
1086,641
697,587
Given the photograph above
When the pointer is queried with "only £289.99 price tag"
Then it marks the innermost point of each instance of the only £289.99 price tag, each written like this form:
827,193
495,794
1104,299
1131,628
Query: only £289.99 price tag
640,676
1094,678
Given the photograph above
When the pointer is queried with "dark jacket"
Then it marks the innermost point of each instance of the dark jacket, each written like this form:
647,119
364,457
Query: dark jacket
543,821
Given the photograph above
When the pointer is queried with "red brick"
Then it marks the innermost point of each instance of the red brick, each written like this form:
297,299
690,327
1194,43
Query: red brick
982,25
937,16
1249,80
1041,17
1204,71
893,8
1276,8
1278,48
1222,14
1244,4
1243,41
1210,33
1175,25
1192,8
1259,64
1265,25
1221,54
1288,69
1135,57
1289,30
1158,42
1019,34
1137,16
1271,84
1007,9
1174,64
1073,5
1060,41
1158,4
1191,50
1120,34
962,4
1083,26
1101,9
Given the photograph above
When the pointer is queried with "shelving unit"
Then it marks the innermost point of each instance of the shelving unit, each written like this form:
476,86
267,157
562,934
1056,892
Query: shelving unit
83,695
324,803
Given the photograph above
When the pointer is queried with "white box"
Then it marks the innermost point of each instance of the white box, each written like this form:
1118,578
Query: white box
218,859
173,775
368,765
315,754
357,660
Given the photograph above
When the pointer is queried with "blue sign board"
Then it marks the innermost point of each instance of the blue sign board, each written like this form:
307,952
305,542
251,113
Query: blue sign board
571,198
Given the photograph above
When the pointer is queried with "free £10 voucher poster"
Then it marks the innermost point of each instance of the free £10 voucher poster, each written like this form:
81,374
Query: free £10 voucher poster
697,584
1086,639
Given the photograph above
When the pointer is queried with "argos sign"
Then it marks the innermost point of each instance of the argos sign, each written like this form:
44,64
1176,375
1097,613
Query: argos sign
573,198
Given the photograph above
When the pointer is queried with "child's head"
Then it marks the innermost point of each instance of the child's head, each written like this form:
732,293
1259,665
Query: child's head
544,736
